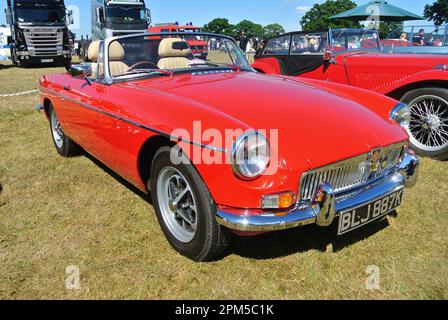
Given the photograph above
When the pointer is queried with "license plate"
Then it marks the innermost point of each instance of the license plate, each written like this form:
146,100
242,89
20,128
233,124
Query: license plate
357,218
46,60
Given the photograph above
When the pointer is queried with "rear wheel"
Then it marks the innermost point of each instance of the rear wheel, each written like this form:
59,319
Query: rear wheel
185,209
428,129
65,146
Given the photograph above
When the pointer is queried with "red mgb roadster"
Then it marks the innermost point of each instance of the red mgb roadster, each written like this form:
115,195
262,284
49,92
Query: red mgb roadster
354,57
221,147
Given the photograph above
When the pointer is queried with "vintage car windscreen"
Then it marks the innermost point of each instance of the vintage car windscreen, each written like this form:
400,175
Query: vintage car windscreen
354,39
161,55
309,43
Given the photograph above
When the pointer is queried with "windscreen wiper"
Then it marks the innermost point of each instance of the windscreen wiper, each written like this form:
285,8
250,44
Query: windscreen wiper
221,65
147,72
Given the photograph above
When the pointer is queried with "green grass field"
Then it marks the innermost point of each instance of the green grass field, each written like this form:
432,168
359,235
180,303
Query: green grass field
57,212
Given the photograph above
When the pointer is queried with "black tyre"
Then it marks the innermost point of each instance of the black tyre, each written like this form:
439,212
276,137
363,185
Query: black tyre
185,209
429,121
65,146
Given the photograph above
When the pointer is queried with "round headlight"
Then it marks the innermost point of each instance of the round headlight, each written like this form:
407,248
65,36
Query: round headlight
250,155
401,114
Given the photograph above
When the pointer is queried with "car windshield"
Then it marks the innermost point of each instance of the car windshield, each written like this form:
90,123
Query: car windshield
355,39
41,15
123,14
164,54
431,36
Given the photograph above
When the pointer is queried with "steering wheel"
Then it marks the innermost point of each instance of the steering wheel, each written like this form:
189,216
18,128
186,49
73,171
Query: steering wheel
143,63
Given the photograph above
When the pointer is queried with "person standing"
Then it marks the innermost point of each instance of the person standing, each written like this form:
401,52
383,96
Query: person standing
244,40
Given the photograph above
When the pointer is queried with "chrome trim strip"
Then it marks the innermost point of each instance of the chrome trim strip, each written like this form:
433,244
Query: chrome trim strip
308,214
142,126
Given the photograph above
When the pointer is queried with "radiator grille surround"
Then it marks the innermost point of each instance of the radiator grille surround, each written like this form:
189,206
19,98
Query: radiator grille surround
352,173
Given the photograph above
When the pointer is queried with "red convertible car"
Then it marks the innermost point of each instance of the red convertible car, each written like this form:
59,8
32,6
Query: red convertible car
354,57
223,148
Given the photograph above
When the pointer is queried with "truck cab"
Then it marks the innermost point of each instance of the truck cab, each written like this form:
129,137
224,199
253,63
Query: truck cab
39,32
112,18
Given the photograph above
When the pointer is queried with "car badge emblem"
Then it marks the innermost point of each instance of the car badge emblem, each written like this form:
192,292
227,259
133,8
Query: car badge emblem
375,162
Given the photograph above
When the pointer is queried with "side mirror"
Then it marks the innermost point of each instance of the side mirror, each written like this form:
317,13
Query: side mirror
9,40
148,16
328,54
70,20
8,16
80,70
99,15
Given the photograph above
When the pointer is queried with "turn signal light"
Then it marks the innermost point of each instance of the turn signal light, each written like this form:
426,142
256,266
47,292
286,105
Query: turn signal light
279,201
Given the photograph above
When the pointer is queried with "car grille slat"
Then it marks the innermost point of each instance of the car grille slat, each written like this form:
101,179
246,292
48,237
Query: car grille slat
350,174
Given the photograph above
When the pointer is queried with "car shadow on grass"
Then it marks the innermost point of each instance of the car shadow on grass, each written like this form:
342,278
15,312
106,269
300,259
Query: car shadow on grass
300,240
277,244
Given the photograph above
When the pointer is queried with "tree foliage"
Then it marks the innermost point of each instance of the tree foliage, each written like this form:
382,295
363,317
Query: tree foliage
272,30
223,26
318,18
220,26
437,12
386,28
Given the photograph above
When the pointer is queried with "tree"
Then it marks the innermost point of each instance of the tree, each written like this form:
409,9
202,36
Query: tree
386,28
272,30
220,26
318,18
437,12
250,28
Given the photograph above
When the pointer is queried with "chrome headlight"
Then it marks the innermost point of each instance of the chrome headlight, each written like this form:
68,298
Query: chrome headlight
250,155
401,114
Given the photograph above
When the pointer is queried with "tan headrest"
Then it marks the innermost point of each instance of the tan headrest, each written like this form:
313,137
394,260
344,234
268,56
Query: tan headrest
116,51
173,47
94,51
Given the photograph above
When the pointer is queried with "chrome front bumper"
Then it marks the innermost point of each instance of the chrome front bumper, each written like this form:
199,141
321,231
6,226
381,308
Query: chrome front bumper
323,213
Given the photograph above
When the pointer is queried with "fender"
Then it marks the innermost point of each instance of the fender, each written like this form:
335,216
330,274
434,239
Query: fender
439,76
267,65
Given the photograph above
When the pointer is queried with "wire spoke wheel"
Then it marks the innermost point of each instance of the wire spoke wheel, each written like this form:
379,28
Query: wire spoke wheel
177,204
429,123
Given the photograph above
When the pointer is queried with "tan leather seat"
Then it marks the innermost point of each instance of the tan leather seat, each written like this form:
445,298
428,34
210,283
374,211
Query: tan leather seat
173,53
116,56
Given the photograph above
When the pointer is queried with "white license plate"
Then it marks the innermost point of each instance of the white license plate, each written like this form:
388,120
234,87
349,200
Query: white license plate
357,218
46,60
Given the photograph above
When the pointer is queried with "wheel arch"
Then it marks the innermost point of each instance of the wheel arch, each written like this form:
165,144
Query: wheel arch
147,153
47,104
398,93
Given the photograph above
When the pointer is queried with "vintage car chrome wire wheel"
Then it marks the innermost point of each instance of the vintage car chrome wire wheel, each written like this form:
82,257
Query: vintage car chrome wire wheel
58,134
177,204
429,123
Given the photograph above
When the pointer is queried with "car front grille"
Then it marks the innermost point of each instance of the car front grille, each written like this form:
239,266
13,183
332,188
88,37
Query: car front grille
44,43
350,174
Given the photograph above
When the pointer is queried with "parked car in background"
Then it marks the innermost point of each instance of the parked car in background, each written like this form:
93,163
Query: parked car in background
198,46
354,57
220,147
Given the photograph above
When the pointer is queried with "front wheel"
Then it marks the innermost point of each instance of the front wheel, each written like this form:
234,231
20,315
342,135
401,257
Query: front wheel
428,129
65,146
185,209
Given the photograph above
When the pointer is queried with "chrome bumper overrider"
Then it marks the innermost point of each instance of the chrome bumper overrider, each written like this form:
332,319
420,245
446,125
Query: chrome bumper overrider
324,212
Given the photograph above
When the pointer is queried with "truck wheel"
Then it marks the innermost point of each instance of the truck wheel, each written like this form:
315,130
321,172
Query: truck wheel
185,209
429,121
65,146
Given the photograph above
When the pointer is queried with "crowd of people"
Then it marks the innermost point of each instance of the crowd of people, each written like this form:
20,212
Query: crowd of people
422,39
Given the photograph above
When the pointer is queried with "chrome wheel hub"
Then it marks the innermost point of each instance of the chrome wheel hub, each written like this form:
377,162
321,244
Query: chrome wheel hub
177,204
58,134
429,123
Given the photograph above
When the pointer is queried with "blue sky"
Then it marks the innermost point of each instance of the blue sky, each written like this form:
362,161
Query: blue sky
285,12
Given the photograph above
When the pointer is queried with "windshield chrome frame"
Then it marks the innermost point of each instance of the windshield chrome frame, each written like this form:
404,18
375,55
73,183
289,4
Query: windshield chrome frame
108,79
